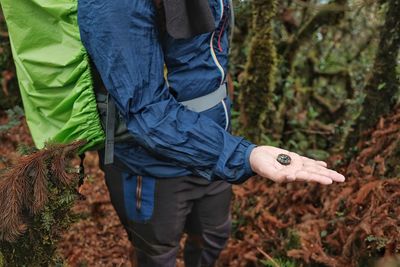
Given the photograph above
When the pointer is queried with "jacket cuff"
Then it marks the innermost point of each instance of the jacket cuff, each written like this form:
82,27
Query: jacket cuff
247,167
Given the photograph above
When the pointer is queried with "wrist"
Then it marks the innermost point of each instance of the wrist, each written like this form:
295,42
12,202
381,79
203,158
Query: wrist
253,159
248,163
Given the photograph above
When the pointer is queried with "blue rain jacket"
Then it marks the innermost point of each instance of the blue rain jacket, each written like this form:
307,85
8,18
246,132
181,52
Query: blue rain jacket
123,40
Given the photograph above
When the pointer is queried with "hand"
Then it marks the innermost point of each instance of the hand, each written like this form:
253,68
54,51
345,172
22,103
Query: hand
263,162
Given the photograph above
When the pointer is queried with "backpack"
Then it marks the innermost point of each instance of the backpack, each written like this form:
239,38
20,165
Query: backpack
53,71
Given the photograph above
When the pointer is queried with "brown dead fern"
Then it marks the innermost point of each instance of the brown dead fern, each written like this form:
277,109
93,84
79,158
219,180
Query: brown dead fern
40,194
24,190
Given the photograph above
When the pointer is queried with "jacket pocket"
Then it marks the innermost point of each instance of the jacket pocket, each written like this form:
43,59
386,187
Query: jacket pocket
139,197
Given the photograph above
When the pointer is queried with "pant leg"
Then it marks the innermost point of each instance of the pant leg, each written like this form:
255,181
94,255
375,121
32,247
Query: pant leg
208,227
156,240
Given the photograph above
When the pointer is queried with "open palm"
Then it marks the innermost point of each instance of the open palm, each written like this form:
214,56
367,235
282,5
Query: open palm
263,162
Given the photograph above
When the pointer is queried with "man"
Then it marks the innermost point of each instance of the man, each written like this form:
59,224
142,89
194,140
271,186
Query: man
175,174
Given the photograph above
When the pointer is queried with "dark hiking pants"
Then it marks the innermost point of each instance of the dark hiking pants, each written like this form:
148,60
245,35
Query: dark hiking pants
185,204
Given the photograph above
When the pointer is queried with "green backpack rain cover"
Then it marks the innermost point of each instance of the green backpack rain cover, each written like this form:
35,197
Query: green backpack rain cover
53,71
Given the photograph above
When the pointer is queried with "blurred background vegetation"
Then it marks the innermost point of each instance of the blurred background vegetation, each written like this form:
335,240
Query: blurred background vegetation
9,93
310,72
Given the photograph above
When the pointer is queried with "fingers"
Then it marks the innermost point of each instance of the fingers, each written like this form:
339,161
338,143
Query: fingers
309,174
336,177
322,163
320,167
313,177
308,161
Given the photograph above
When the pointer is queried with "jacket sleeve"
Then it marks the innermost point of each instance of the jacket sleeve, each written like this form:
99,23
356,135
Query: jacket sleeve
121,38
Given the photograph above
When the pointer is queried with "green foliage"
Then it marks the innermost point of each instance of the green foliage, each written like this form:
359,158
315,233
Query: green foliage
279,261
9,93
14,115
293,240
317,154
324,233
378,242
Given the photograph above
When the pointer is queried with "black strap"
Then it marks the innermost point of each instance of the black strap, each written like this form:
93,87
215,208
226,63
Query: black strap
105,102
81,170
110,131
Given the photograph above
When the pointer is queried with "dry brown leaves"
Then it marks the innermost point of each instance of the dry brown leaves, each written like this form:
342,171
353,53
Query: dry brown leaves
337,225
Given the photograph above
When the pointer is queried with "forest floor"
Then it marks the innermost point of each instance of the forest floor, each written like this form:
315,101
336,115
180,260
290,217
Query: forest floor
340,225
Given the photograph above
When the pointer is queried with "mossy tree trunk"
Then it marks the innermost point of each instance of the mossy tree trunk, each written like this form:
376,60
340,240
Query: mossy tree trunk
258,112
383,83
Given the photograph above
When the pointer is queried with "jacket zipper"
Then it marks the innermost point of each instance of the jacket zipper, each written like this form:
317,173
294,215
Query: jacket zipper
226,115
213,55
139,183
221,33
